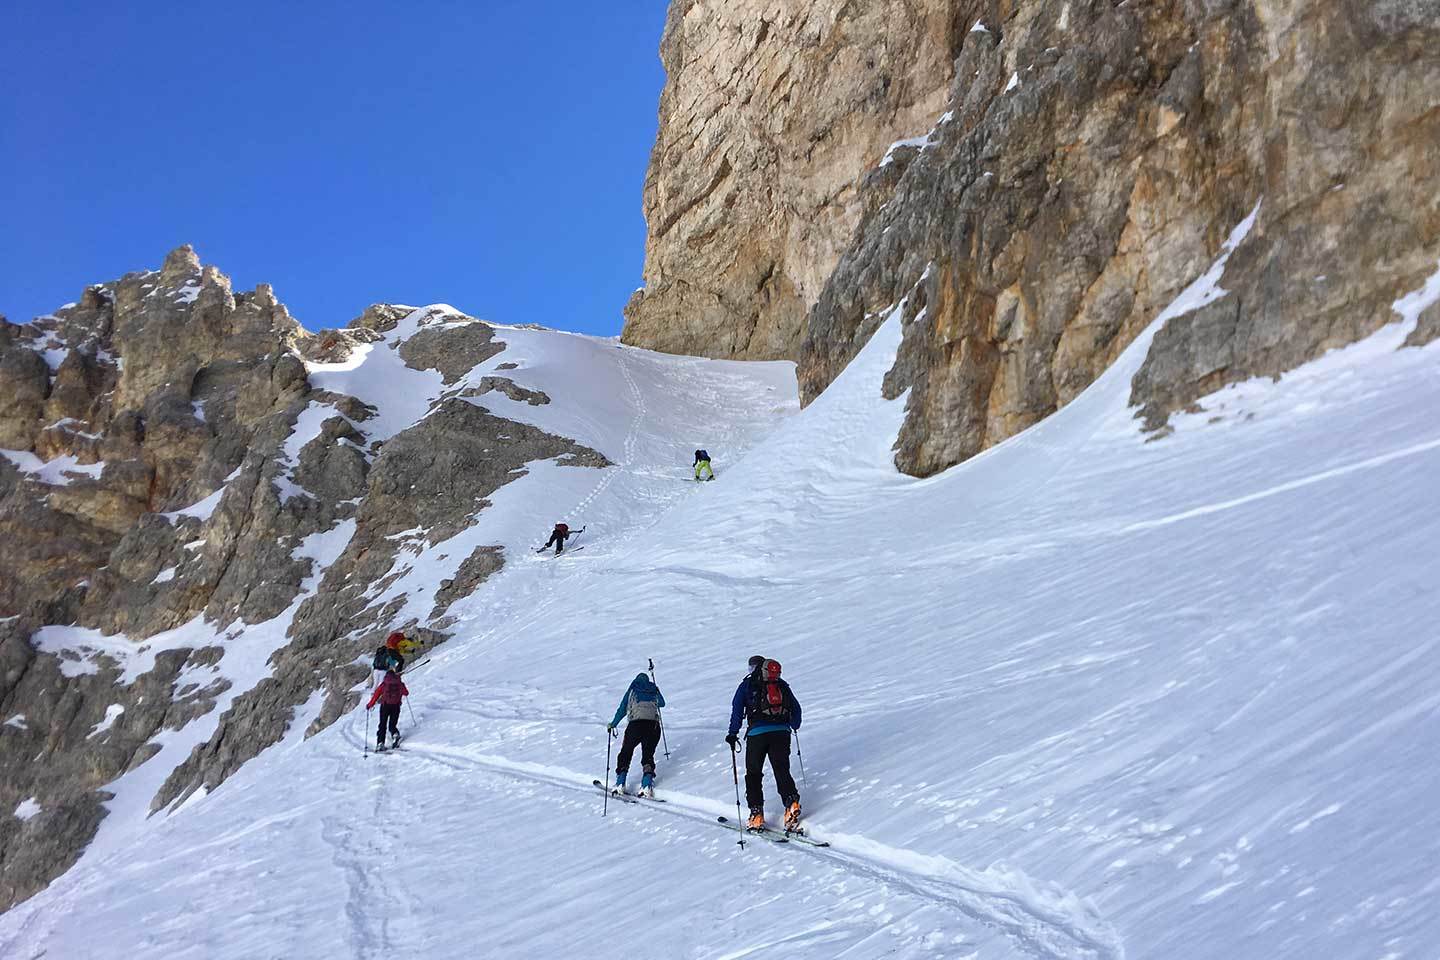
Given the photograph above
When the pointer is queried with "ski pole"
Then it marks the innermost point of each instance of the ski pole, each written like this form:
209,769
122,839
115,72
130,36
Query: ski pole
605,784
801,754
412,721
735,771
365,734
663,739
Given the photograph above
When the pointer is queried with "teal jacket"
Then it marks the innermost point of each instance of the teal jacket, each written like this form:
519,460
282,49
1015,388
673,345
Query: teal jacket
642,701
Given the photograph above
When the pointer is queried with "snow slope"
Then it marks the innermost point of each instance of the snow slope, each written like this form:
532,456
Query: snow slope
1083,696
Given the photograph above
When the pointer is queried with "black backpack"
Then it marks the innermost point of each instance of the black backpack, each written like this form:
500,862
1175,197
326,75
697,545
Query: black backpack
385,658
768,701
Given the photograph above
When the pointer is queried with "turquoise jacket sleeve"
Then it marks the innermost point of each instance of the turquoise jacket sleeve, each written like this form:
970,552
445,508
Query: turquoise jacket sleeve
620,710
659,698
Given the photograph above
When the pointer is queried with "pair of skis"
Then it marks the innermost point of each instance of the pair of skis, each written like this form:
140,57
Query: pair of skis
773,835
769,833
626,797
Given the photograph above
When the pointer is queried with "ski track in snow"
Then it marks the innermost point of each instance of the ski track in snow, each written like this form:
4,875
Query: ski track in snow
1042,932
370,926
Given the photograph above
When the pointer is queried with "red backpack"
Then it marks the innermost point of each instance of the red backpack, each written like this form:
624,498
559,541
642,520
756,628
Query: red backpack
769,701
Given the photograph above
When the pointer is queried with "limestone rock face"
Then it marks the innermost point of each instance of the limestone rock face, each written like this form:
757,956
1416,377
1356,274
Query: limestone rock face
771,110
1095,158
175,496
123,406
1083,163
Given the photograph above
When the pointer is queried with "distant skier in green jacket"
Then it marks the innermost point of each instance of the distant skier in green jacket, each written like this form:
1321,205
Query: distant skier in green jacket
641,705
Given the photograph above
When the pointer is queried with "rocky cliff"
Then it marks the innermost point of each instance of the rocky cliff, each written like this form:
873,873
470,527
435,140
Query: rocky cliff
204,537
1087,163
771,110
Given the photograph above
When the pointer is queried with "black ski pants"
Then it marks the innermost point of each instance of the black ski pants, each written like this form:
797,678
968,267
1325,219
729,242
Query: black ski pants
644,734
558,540
389,714
776,746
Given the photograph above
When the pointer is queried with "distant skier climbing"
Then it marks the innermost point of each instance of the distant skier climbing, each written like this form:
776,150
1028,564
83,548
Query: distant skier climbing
770,711
388,655
558,536
408,646
390,692
641,704
702,465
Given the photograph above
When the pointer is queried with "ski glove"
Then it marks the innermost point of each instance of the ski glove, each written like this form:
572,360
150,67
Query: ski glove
732,739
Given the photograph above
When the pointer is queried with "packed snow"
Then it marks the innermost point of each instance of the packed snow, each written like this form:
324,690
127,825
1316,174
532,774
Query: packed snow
922,141
27,809
1084,696
203,508
59,472
71,425
112,713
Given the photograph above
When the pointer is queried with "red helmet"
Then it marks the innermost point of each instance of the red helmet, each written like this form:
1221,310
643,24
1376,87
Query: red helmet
394,639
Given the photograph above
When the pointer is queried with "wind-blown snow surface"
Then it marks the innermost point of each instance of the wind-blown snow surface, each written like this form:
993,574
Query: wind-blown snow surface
1082,697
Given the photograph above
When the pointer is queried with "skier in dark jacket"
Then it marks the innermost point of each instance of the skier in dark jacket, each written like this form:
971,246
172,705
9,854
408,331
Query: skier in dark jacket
641,705
389,693
558,537
770,711
702,464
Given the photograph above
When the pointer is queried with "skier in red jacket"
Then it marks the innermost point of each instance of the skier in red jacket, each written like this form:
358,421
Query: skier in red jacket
389,693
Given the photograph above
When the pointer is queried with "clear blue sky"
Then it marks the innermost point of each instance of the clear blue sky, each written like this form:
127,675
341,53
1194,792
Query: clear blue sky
486,154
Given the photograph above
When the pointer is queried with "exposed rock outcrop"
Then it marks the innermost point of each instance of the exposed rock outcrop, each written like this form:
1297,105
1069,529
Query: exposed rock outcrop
772,109
193,531
1089,162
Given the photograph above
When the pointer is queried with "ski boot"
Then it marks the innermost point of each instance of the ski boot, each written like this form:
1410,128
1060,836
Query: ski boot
792,818
619,784
756,821
380,746
395,741
647,785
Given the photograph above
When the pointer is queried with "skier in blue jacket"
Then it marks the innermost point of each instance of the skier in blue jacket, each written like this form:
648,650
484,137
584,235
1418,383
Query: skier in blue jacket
641,706
770,711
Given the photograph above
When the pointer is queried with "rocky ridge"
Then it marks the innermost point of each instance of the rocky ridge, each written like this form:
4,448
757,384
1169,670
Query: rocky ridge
200,538
1088,163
